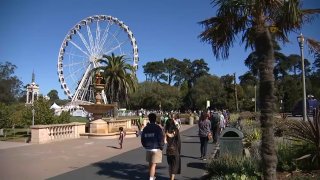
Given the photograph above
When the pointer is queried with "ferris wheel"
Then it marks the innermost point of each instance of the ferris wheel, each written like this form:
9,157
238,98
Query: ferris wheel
84,44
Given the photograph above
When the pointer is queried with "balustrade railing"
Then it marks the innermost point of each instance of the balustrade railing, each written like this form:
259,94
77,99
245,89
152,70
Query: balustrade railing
49,133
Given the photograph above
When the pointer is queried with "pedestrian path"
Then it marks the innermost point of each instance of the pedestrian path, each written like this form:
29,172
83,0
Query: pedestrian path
97,159
7,144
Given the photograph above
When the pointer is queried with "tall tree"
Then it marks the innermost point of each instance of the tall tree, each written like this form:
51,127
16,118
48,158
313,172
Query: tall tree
53,95
252,19
181,72
170,69
252,61
315,76
119,77
192,73
208,88
248,79
10,85
153,71
316,63
151,95
195,70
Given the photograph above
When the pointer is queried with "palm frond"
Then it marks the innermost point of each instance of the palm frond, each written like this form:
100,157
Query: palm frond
314,46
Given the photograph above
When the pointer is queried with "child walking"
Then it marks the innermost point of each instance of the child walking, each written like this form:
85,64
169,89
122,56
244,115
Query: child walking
121,136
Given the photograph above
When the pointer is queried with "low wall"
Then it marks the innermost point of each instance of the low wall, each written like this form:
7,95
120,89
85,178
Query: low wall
49,133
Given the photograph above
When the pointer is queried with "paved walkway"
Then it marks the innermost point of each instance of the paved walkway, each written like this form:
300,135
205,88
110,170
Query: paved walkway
95,159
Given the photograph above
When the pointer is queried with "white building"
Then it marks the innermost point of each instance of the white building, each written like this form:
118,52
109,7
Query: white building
32,91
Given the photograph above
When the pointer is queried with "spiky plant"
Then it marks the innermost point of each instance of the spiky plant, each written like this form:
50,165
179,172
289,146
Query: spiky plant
308,132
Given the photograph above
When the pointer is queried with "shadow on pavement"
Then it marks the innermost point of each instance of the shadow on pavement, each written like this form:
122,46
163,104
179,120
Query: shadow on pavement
119,170
197,165
191,157
190,142
190,136
114,147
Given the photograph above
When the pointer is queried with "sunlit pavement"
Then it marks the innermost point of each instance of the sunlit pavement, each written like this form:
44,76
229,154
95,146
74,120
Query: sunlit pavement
97,159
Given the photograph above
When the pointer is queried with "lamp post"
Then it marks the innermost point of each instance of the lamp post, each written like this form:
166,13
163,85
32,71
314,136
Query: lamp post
301,42
255,98
235,92
33,115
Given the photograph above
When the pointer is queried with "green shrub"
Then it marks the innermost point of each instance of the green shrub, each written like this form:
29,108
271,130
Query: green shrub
306,155
295,155
286,156
306,134
280,126
233,119
252,133
234,116
234,166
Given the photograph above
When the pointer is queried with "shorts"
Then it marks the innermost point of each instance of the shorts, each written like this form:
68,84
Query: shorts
154,156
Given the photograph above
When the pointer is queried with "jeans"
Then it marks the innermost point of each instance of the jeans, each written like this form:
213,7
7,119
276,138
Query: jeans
203,146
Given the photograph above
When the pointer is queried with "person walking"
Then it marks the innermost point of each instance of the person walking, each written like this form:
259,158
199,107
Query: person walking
121,136
177,121
222,122
215,120
140,124
152,139
173,148
204,130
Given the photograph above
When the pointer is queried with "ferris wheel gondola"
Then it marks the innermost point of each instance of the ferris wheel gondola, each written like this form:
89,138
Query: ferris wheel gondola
84,44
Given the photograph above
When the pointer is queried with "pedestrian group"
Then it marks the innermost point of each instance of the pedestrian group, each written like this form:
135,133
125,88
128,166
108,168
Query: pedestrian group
155,135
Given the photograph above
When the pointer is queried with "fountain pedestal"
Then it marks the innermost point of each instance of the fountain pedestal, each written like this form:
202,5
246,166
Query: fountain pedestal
101,126
98,125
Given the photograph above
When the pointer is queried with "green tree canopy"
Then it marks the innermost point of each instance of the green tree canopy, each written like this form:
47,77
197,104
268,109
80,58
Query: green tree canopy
10,85
150,95
119,77
208,88
153,70
53,95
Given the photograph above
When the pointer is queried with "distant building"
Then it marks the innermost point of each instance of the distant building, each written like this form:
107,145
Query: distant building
57,109
32,91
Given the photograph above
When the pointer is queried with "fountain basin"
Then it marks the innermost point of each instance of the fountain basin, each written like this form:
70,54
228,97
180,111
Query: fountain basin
97,108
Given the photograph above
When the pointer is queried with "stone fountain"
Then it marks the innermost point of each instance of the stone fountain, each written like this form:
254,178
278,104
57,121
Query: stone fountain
103,126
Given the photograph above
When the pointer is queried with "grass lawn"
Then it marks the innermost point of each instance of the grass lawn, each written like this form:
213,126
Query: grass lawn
16,135
78,119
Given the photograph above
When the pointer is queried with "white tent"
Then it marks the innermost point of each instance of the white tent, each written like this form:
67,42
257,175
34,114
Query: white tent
55,106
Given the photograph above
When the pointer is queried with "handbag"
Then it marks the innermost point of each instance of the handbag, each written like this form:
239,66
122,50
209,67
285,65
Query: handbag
209,135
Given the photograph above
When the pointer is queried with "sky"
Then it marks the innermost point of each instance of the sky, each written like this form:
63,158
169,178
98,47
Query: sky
32,31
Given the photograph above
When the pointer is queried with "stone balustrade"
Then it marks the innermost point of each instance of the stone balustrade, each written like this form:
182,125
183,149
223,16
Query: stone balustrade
49,133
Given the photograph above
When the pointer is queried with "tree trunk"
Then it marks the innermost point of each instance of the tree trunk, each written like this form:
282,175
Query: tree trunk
115,109
265,52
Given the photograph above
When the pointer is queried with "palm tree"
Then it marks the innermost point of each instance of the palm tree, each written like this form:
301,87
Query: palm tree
119,77
254,20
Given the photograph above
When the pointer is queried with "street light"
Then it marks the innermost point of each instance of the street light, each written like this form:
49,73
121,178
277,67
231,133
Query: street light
255,98
33,111
301,42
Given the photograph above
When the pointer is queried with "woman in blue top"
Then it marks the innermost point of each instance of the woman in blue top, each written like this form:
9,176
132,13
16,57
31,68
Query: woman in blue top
204,129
